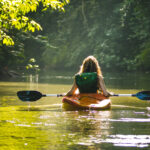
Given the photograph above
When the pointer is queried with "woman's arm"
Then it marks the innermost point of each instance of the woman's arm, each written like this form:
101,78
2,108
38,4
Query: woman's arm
101,85
72,90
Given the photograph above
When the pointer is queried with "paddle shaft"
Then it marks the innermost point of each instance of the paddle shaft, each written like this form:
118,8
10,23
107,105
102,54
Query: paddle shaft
53,95
124,95
61,95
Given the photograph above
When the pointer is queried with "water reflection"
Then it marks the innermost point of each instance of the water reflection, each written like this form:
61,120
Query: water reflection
45,125
88,125
73,129
64,129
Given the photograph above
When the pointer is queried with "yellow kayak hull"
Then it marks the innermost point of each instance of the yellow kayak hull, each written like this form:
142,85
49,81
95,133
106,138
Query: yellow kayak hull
86,101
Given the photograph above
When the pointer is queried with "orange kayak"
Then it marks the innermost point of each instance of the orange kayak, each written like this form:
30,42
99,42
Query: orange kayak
86,101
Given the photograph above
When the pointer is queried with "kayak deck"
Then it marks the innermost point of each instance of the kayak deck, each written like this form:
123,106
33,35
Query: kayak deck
86,101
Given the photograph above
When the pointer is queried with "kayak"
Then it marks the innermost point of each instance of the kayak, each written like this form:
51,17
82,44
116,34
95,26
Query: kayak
88,101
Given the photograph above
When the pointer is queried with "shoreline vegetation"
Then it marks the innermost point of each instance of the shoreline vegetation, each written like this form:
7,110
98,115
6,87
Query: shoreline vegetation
115,32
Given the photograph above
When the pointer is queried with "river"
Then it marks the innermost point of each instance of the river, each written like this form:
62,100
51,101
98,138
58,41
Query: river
44,125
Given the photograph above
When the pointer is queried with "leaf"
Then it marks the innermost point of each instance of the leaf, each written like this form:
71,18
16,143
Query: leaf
8,41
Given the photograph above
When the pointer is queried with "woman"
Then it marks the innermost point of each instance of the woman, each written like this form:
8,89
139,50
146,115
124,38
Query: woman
89,79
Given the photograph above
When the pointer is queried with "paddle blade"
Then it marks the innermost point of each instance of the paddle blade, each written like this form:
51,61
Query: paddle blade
29,95
143,95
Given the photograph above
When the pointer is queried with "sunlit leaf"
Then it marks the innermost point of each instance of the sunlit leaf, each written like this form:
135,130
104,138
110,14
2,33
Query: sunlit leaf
32,60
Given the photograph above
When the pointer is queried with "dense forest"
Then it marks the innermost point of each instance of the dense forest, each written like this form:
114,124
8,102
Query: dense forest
116,32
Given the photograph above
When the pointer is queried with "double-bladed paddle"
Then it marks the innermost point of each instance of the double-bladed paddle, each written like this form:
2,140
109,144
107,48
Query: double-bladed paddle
32,96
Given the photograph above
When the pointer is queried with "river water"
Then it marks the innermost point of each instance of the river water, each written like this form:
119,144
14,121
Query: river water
44,125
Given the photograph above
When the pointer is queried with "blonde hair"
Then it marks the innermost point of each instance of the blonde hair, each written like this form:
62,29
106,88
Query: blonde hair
90,64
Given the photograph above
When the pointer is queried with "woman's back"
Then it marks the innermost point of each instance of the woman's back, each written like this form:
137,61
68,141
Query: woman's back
87,82
89,79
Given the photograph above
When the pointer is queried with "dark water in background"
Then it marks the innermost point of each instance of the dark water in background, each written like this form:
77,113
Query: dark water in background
45,125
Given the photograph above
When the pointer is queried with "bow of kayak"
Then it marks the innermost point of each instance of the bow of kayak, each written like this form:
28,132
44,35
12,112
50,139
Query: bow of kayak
86,101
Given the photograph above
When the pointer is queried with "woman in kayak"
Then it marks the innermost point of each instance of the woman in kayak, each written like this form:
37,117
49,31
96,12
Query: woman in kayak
89,78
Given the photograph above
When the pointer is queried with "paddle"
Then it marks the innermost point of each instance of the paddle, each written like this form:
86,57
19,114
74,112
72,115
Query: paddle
35,95
32,96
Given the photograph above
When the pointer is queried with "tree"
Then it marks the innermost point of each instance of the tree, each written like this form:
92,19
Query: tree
14,15
116,32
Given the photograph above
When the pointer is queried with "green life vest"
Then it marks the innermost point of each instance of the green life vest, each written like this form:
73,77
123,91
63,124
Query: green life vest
87,82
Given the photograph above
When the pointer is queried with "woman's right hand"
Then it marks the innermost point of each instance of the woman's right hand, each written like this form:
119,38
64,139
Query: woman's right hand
108,94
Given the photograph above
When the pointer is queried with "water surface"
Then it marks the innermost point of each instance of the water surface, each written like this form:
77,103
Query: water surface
45,125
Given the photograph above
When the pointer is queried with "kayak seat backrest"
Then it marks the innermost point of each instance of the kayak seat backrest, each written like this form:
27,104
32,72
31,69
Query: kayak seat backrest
87,82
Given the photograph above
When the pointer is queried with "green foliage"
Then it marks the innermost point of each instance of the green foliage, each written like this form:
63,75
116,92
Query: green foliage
115,32
143,59
87,28
14,14
17,25
32,67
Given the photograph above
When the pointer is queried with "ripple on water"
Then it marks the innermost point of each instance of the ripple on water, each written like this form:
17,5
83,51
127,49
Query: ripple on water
130,120
139,141
129,140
